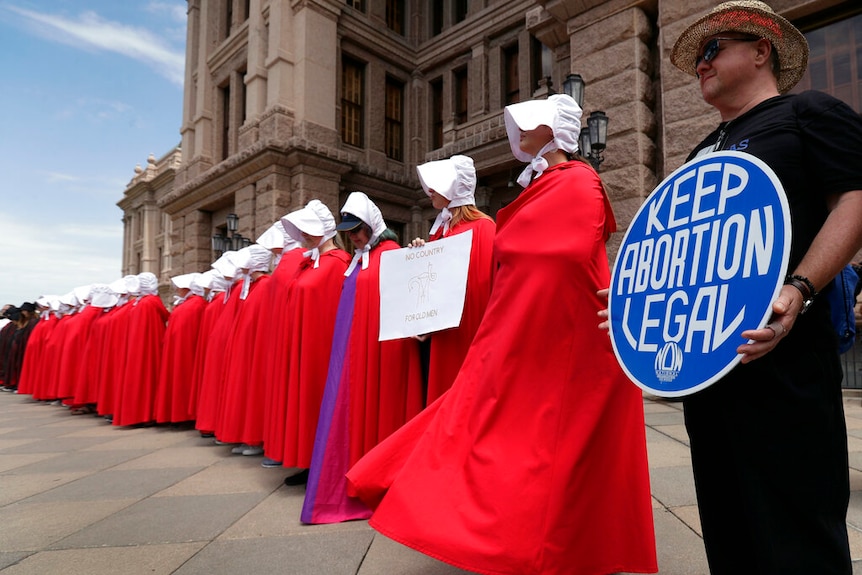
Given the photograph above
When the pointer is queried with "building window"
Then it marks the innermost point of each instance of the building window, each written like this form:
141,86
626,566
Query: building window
246,10
436,17
541,60
225,121
462,92
228,21
395,15
835,61
243,102
352,97
511,90
394,121
357,4
436,113
461,9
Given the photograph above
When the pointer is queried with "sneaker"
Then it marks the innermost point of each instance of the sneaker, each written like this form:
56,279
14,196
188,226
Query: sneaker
239,449
300,478
252,450
269,462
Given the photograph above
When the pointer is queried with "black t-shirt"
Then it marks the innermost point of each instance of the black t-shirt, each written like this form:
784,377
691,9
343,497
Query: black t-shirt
812,141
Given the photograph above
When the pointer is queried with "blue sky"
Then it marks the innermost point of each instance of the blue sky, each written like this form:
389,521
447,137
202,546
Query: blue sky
90,89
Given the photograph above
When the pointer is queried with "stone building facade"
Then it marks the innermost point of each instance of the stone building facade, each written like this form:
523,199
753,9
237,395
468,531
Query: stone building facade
290,100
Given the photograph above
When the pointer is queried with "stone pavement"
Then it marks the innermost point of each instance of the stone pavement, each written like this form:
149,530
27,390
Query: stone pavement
78,496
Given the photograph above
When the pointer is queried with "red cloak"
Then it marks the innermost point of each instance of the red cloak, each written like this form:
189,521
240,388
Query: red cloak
217,351
137,393
242,396
111,376
310,318
53,355
211,313
86,386
178,361
534,462
74,347
34,356
449,347
270,361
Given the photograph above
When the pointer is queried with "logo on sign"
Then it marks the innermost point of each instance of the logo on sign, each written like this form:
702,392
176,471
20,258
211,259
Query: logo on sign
702,261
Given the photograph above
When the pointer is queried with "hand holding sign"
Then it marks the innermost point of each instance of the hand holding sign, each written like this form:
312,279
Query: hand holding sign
703,259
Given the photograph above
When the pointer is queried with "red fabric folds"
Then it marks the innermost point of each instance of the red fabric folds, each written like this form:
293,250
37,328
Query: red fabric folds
178,361
534,462
136,394
310,318
449,347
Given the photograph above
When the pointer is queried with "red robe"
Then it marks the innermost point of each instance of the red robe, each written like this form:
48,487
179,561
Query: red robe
242,396
34,357
534,462
137,393
86,387
74,347
372,389
449,347
53,355
270,361
178,361
218,349
310,319
210,315
113,372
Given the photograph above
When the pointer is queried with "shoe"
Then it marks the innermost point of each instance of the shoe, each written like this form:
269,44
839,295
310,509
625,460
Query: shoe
252,450
218,441
238,450
268,463
207,434
300,478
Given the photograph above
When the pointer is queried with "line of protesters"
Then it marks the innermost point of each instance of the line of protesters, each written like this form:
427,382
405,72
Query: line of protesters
252,345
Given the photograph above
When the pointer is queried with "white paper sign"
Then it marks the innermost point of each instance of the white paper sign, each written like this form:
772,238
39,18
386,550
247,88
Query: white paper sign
422,289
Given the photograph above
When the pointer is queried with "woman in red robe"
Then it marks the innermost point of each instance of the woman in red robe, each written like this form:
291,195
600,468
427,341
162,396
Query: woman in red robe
111,376
372,387
218,347
451,185
214,286
147,320
242,397
534,462
102,298
178,351
312,302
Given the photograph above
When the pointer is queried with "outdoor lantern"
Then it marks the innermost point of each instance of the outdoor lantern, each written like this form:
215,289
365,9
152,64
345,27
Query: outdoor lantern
232,223
598,124
573,85
218,242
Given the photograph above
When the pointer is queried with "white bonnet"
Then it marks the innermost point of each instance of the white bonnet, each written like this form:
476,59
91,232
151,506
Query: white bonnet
560,112
253,258
149,283
272,238
224,266
453,178
133,285
362,207
315,219
102,295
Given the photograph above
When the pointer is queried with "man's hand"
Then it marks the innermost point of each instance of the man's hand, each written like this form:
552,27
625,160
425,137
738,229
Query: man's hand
784,312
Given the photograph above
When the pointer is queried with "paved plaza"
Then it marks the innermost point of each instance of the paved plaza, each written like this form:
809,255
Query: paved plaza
78,496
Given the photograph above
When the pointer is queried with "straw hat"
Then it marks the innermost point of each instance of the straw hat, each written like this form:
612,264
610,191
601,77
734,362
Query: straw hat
746,17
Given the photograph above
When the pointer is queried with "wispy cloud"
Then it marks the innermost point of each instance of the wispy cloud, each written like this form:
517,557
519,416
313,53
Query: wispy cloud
37,258
90,31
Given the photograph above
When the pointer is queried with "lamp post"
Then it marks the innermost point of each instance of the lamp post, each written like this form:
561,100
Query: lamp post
594,139
233,241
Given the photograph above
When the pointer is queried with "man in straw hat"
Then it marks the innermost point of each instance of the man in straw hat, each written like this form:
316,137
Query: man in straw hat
768,441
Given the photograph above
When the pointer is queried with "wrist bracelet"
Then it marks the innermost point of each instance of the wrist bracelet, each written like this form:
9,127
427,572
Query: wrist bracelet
805,287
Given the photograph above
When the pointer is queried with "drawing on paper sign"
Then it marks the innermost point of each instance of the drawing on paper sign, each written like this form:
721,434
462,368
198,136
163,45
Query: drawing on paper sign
422,283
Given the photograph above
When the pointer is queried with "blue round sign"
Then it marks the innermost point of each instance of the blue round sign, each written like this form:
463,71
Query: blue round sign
702,261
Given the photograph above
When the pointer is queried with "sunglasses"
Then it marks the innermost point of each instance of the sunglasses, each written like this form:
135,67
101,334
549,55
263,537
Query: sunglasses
711,48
